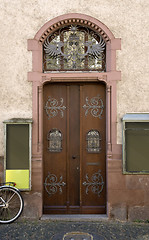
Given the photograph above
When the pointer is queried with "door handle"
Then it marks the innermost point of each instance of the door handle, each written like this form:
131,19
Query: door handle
75,156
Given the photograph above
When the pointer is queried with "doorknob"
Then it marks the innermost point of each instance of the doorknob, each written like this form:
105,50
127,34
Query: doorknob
74,157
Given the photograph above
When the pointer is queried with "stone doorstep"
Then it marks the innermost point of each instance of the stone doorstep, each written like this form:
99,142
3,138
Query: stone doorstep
75,217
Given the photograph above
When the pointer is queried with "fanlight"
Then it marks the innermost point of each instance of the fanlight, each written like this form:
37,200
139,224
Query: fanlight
74,48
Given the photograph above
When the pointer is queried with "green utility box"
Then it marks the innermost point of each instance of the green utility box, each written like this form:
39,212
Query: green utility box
136,143
18,152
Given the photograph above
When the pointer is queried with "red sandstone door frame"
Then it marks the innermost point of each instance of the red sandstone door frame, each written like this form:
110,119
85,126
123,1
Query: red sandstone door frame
38,79
74,160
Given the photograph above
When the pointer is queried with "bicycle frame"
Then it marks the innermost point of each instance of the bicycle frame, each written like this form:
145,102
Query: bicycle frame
3,205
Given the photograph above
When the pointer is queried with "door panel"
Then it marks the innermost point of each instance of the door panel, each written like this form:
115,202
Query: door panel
74,148
55,162
93,159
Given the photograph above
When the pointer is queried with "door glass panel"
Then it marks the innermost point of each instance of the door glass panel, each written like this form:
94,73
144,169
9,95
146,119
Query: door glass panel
54,141
93,141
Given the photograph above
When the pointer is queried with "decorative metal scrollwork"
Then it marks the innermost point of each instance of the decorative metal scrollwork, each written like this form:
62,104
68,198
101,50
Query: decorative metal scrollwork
51,184
52,107
96,184
74,47
95,105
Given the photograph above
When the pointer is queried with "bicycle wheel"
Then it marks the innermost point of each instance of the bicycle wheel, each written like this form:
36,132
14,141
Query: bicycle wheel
11,204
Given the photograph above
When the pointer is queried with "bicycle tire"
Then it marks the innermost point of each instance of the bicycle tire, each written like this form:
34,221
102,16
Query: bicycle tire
11,204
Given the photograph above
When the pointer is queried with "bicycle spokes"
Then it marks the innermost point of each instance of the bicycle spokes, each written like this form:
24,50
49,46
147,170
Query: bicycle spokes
11,204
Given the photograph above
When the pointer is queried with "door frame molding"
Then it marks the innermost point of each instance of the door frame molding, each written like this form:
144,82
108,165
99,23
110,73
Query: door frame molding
38,79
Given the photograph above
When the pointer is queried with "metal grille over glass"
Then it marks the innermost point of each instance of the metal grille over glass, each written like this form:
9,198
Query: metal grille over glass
93,141
54,141
74,48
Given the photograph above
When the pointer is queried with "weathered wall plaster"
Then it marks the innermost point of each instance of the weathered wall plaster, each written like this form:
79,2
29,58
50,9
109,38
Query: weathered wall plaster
20,20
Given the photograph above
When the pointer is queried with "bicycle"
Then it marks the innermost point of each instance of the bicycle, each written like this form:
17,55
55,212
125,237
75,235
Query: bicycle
11,202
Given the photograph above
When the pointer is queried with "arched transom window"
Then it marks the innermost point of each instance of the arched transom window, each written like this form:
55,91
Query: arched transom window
74,48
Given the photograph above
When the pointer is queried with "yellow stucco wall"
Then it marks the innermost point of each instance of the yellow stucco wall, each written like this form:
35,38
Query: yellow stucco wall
20,20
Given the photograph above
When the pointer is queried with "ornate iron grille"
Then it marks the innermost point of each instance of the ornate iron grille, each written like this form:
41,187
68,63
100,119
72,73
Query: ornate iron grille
76,48
54,141
93,141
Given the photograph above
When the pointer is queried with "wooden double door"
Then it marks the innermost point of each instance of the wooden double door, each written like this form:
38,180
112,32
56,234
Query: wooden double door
74,148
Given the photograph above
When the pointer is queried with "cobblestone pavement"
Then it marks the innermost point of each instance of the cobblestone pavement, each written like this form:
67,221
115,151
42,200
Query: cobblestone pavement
64,230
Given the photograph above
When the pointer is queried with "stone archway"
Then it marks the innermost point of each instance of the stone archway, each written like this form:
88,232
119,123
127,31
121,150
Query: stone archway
38,79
